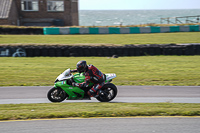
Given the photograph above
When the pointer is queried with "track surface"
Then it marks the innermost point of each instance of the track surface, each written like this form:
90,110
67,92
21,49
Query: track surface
131,94
105,125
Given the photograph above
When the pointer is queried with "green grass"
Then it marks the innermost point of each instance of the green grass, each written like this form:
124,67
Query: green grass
120,39
140,25
85,110
143,70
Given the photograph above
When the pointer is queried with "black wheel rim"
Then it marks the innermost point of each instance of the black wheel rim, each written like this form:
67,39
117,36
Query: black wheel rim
57,94
108,94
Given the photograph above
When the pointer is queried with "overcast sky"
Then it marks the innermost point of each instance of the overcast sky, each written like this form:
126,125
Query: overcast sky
137,4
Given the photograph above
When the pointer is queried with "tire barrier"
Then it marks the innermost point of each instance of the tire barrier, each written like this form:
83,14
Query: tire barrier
7,51
36,31
119,30
100,51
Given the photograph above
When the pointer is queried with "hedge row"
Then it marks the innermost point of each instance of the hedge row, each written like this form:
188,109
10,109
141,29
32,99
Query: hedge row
21,31
108,51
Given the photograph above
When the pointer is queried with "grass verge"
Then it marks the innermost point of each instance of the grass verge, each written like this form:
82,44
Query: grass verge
86,110
143,70
120,39
140,25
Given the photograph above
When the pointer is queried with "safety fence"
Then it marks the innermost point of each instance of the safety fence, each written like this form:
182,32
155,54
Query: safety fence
120,30
101,51
99,30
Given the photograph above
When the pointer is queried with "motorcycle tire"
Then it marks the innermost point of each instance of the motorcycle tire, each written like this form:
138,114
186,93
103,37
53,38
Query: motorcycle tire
56,95
109,93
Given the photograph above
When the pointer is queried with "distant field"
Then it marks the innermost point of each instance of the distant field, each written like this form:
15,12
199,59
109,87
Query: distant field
120,39
143,70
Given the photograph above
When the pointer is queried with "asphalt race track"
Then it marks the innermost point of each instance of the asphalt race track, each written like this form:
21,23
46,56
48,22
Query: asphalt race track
152,94
105,125
130,94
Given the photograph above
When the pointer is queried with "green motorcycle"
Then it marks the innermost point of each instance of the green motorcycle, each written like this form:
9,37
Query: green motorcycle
63,88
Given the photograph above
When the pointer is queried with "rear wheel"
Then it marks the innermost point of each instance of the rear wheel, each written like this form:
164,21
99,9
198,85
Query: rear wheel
107,93
56,95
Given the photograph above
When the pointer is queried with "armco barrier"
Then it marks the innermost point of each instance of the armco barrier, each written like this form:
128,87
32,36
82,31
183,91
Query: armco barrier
100,30
50,31
101,51
120,30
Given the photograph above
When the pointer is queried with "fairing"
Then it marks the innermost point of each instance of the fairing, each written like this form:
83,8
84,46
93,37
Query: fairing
75,92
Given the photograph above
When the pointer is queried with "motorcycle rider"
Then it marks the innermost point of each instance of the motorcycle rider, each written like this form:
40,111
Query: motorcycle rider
92,74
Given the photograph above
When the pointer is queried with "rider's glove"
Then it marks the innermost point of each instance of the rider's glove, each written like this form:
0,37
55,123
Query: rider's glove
75,84
72,71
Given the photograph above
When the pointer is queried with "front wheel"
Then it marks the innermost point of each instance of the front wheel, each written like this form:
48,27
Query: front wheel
107,93
56,95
